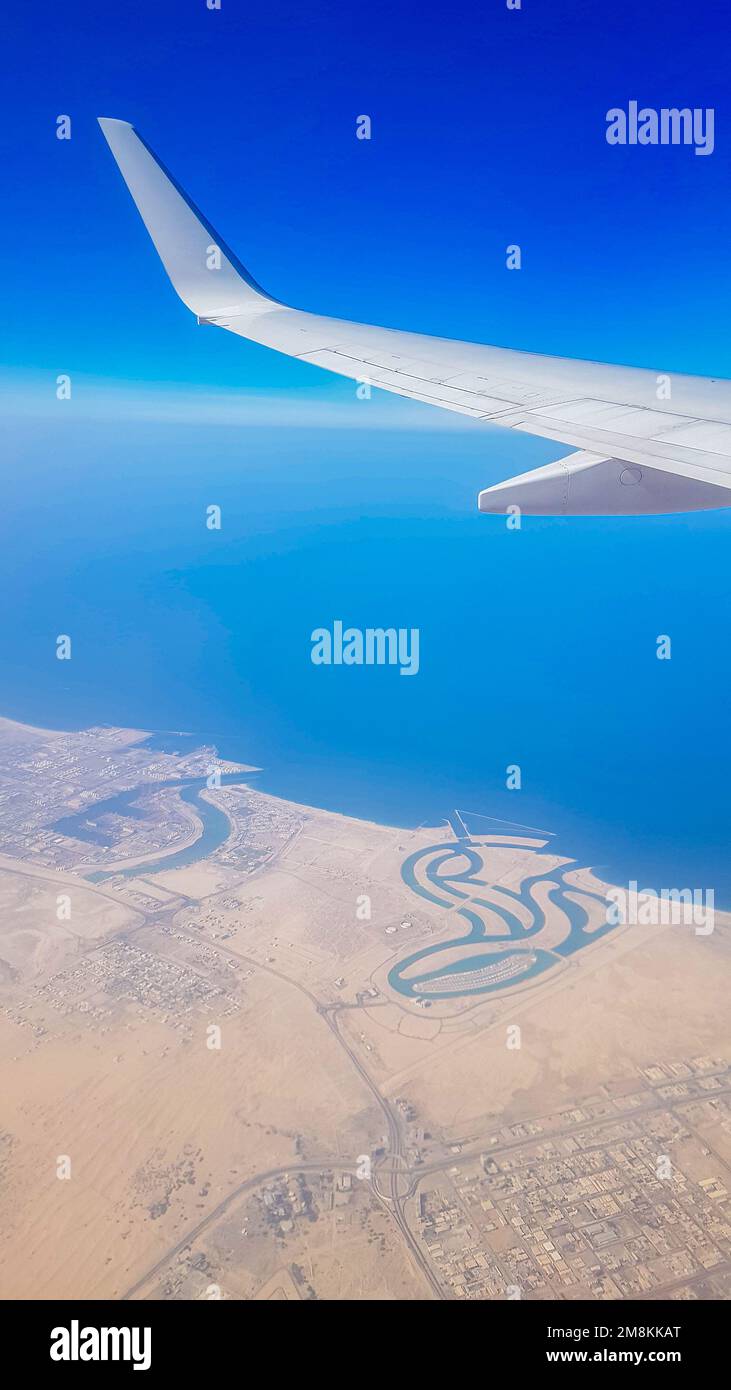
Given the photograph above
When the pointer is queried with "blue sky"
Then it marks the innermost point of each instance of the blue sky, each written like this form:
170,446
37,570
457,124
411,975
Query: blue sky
488,129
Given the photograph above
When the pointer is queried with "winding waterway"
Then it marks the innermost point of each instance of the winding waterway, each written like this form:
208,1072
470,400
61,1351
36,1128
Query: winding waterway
445,874
444,886
216,825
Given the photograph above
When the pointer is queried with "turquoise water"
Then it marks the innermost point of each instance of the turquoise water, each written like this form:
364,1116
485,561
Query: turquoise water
446,881
216,825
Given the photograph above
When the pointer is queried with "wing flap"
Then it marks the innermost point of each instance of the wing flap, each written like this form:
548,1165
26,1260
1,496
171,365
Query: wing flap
586,484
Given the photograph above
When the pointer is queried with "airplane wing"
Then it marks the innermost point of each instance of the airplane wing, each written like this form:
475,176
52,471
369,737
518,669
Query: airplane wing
646,442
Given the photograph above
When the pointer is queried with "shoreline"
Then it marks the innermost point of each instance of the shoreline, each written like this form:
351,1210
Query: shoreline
602,865
227,765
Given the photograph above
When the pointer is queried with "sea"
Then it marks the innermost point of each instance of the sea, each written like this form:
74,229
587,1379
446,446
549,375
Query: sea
539,646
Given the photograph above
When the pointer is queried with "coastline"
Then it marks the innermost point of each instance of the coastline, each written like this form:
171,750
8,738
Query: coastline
608,865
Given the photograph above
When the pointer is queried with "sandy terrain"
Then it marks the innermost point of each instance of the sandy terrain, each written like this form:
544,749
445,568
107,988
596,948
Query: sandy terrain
205,1170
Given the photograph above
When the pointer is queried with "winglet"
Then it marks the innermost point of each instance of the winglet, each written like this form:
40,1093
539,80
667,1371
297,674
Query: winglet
205,273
